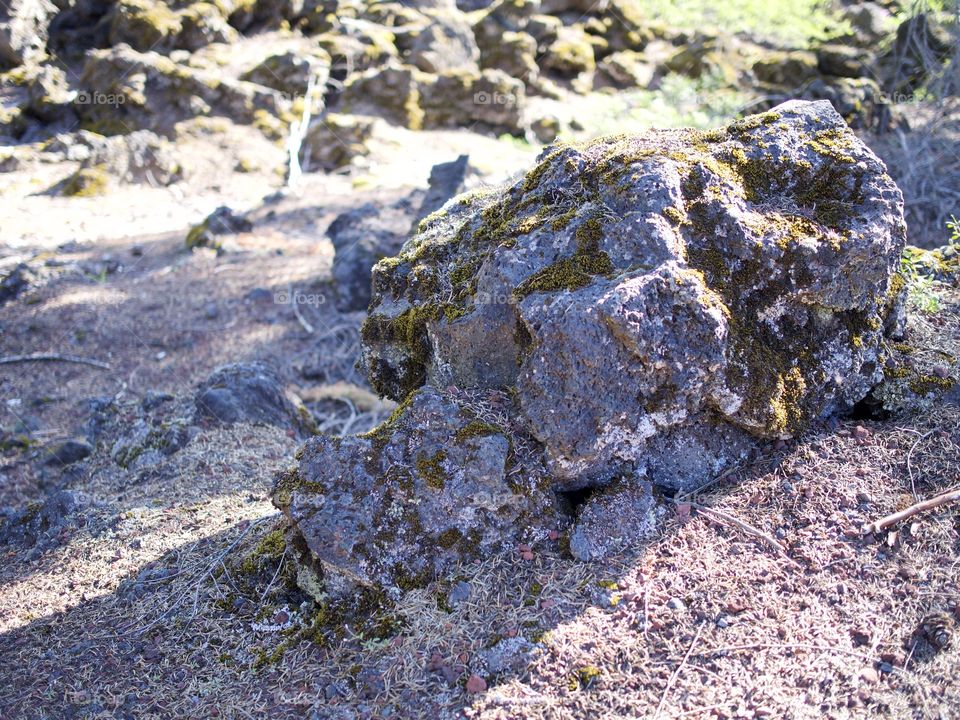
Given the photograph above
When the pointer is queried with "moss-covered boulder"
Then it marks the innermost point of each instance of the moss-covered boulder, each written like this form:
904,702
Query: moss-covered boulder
154,25
23,30
336,140
570,54
658,303
291,71
124,90
397,507
787,68
445,43
404,95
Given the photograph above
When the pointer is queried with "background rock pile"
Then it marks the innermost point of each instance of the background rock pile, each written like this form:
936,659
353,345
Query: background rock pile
518,67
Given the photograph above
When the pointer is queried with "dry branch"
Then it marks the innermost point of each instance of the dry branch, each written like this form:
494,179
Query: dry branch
747,528
934,502
53,357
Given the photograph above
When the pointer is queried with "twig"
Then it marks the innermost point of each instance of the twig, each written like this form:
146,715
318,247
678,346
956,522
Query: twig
266,590
53,357
296,311
913,487
195,583
877,525
676,673
749,529
791,646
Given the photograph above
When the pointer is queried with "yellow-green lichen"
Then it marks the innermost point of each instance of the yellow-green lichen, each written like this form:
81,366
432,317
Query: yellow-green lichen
88,182
430,468
476,428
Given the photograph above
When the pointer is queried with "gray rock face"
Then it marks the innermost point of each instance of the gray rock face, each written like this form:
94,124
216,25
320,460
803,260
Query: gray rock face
362,237
23,29
447,43
398,506
251,393
638,310
659,302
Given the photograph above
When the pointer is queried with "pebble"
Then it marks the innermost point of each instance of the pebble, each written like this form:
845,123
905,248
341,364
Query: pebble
459,593
869,676
210,311
476,684
676,604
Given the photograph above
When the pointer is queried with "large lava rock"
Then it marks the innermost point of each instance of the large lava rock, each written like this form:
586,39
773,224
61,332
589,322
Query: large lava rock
660,301
641,309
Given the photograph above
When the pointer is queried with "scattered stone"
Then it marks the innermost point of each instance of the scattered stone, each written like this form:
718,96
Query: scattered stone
447,43
406,96
843,61
251,393
786,68
361,238
221,222
336,140
446,181
14,281
124,90
459,593
66,452
570,54
37,524
627,69
290,72
144,445
476,684
617,517
23,29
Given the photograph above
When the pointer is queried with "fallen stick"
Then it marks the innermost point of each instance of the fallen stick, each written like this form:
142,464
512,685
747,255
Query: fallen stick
676,673
53,357
296,311
877,525
749,529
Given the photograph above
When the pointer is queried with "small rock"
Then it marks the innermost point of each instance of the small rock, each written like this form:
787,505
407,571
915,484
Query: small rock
869,676
66,452
476,684
459,593
676,604
861,433
251,393
259,295
210,311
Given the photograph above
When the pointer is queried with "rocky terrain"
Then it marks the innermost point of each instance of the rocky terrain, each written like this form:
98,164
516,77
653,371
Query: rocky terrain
534,358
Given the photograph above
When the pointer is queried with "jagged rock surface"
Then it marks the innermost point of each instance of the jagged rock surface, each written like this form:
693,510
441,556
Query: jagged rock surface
658,301
650,308
398,506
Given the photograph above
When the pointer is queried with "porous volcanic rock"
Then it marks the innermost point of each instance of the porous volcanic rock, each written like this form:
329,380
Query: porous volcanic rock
396,507
638,310
658,302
